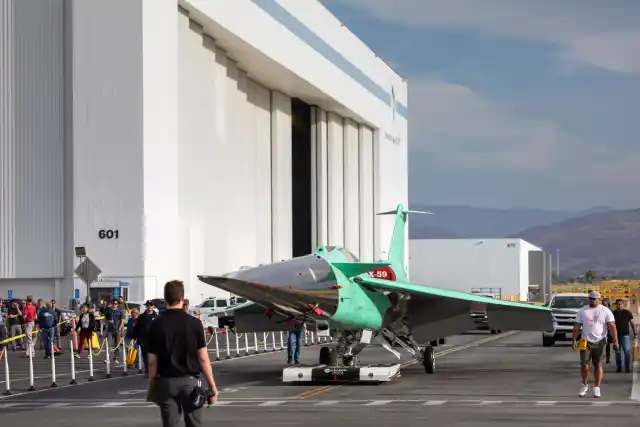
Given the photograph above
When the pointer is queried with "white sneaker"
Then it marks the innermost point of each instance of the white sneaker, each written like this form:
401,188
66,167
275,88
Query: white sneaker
583,390
596,392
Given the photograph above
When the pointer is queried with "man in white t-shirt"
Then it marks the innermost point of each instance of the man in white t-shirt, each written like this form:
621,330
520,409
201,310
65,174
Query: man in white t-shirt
592,322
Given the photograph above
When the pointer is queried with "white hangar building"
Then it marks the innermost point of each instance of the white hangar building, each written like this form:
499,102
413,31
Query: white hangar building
175,138
511,268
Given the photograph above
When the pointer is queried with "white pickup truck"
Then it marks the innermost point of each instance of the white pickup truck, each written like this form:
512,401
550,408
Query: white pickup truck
564,307
216,309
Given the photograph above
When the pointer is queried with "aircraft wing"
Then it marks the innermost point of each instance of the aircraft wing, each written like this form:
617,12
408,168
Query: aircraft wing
437,313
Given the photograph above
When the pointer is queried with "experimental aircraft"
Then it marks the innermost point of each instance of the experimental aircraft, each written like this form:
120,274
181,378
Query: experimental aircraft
358,302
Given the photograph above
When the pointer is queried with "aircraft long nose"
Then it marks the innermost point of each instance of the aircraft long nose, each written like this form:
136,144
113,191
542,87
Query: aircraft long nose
299,284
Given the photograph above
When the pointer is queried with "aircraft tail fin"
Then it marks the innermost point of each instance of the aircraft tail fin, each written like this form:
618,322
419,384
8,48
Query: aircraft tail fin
396,251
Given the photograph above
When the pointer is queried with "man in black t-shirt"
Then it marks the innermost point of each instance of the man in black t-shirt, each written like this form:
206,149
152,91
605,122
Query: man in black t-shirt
177,355
624,324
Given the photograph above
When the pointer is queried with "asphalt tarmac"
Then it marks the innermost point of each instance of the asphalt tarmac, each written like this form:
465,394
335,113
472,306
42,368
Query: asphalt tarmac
480,380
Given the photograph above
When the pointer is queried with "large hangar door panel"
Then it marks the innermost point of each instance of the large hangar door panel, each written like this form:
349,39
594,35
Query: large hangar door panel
301,177
335,179
260,100
366,179
351,188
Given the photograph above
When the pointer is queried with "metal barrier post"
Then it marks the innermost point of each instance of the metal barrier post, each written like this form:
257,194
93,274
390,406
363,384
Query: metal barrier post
124,359
226,334
108,359
264,342
73,364
312,338
237,345
90,346
246,344
31,383
139,358
255,342
281,341
273,341
7,379
53,364
74,343
215,332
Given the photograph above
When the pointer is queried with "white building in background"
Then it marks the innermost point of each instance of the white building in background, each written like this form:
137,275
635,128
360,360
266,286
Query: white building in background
175,138
485,265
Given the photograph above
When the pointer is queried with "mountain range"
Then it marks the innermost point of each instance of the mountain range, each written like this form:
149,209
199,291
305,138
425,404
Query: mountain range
600,238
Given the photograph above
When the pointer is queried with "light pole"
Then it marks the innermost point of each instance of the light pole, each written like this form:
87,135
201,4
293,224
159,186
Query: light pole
557,264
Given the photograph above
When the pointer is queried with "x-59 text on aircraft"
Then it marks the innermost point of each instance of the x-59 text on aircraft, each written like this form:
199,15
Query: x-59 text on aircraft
358,302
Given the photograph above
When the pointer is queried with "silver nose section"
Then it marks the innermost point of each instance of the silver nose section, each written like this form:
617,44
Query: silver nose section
299,284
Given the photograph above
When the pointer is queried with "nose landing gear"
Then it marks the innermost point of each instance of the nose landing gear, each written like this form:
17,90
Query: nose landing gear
429,360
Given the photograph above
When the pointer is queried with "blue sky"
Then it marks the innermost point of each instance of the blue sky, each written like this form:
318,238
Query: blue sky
514,103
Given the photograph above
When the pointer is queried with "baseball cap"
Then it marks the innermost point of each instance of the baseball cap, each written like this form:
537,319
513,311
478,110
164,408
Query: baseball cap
148,303
594,295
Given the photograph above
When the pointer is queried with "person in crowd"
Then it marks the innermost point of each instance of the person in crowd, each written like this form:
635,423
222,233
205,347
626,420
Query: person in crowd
592,322
39,307
85,327
141,332
131,324
29,314
177,357
295,329
14,326
3,331
47,321
607,347
115,326
58,326
624,325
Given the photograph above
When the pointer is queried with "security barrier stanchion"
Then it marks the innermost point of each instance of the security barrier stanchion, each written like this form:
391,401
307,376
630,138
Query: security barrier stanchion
246,344
281,341
74,343
312,338
306,336
139,359
108,358
31,383
90,347
237,345
226,334
264,342
273,341
215,332
73,364
7,378
124,360
53,364
255,342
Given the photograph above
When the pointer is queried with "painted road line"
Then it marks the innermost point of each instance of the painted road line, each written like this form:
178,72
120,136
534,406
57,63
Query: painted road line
378,402
314,391
591,403
272,403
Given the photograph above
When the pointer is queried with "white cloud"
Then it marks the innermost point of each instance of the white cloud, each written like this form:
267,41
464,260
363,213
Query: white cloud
594,32
459,128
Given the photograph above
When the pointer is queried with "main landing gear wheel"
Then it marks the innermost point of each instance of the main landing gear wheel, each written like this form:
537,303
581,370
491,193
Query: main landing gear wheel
429,360
325,356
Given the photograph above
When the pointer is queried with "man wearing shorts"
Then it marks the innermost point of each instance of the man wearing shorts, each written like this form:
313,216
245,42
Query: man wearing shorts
592,322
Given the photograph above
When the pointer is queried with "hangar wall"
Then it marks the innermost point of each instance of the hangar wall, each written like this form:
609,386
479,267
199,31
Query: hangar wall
175,156
31,147
303,39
